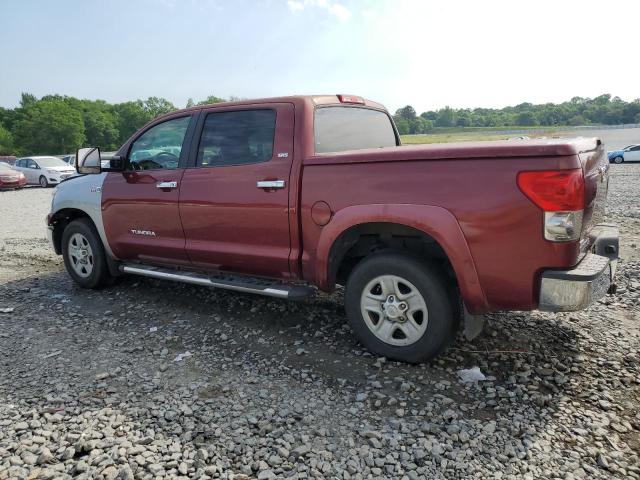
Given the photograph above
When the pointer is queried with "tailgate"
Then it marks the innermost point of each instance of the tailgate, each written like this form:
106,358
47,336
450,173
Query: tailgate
595,166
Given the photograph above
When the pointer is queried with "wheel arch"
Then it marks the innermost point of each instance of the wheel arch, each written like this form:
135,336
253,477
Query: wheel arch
59,220
431,228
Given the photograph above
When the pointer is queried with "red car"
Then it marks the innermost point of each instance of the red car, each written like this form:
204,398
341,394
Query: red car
11,178
284,196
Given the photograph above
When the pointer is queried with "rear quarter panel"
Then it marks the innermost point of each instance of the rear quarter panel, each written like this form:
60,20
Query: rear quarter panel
502,228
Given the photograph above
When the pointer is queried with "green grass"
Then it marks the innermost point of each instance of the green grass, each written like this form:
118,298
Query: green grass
473,135
450,137
513,128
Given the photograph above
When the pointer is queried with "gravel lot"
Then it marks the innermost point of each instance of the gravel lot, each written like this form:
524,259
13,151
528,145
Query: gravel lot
92,384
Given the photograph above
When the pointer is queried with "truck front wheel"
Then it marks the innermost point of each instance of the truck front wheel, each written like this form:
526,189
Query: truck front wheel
83,254
399,307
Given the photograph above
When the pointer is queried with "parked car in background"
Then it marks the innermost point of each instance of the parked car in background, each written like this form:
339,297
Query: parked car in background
629,153
11,178
105,156
44,171
70,159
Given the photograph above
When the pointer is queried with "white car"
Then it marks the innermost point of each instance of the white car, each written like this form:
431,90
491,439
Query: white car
44,171
106,157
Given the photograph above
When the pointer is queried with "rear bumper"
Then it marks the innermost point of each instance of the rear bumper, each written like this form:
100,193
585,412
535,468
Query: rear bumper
588,281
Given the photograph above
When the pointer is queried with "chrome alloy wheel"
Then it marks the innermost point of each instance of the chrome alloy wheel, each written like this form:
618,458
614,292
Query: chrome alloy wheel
394,310
80,255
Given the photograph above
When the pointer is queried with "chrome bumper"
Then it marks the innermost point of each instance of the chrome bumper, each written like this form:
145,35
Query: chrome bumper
588,281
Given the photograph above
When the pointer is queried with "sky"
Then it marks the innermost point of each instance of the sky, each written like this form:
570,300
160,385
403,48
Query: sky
425,53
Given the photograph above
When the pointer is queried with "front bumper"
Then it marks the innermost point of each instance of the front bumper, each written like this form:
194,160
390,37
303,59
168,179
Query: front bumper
50,237
588,281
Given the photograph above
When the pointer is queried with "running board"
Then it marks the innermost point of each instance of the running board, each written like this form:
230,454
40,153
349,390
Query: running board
237,283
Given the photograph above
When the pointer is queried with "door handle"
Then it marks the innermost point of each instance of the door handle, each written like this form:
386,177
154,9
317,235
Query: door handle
167,185
271,184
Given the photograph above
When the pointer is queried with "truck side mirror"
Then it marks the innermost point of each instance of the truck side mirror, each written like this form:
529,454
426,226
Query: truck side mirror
116,163
88,160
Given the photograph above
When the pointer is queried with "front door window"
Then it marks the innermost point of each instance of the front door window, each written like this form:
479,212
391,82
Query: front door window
160,147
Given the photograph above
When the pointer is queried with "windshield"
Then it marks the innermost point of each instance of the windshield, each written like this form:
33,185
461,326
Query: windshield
50,162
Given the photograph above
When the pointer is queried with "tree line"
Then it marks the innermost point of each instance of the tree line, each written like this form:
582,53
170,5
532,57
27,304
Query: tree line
601,110
56,124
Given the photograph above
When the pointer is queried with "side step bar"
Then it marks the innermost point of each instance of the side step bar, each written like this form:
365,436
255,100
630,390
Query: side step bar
237,283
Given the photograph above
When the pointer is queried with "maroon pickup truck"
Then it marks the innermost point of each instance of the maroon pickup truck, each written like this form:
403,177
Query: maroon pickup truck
284,196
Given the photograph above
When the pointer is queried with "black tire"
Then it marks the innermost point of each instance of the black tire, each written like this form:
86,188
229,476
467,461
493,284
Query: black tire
43,181
99,275
431,283
618,160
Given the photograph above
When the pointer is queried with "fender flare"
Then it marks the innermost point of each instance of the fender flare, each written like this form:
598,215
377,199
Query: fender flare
437,222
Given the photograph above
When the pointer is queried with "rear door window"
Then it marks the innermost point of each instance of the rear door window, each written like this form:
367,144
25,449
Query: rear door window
338,129
237,138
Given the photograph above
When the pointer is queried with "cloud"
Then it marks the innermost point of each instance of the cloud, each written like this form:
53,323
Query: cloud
339,11
333,8
295,5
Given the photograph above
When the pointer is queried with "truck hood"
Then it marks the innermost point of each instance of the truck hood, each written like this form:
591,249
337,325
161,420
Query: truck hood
466,150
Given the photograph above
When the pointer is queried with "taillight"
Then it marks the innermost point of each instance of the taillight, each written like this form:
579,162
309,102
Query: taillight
554,190
560,194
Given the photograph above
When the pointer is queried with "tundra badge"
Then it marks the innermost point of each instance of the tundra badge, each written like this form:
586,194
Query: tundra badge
147,233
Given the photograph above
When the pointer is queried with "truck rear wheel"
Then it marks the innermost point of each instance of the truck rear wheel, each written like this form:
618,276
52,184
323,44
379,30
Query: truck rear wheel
83,254
399,307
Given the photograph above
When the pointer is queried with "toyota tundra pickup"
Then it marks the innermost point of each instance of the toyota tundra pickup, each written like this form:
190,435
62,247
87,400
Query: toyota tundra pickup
286,196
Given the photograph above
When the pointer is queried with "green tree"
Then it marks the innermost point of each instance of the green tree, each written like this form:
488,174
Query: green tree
49,127
156,106
408,113
9,116
101,125
130,116
27,99
403,126
526,118
6,141
446,117
211,99
190,103
577,120
430,115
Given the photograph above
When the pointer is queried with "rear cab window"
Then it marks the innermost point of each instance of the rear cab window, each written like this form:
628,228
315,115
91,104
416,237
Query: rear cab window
343,128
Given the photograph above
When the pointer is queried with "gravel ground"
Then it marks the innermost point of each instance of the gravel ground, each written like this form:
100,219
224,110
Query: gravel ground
158,380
